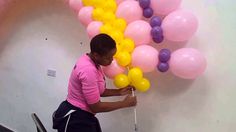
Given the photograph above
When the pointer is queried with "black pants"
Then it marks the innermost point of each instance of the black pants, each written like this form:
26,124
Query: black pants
79,121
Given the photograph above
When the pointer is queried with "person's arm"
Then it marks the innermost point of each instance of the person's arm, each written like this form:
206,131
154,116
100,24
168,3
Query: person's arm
118,92
99,107
90,90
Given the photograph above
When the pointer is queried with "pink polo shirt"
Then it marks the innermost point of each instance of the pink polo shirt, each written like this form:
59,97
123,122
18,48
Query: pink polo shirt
86,83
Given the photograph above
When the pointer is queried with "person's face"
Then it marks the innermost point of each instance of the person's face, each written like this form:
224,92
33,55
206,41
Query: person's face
107,59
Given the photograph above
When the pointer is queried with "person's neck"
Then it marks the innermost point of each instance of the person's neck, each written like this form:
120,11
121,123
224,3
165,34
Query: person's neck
92,58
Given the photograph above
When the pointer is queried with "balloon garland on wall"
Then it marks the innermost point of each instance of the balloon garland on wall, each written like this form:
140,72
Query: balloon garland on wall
123,21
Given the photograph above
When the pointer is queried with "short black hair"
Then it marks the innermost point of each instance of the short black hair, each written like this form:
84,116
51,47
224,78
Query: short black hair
102,44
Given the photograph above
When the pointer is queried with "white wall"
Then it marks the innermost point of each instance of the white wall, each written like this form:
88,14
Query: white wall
172,104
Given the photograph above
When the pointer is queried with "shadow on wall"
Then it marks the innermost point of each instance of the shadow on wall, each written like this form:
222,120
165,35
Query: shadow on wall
13,16
19,14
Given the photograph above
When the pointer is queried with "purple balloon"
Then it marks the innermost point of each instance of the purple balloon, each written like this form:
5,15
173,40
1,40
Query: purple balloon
148,12
144,3
156,32
164,55
155,21
158,39
163,67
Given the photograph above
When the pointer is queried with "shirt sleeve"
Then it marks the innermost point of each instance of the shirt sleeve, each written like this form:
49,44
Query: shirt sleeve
90,86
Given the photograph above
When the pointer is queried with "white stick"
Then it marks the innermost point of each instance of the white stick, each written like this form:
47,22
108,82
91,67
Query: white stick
135,115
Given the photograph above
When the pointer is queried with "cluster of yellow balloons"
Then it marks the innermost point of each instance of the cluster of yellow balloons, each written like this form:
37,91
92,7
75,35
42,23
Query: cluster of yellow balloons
134,78
104,11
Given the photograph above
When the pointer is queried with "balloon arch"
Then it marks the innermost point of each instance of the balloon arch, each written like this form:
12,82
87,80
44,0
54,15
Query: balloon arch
134,25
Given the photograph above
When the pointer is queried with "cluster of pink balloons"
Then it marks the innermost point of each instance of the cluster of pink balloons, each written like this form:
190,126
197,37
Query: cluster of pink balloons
178,25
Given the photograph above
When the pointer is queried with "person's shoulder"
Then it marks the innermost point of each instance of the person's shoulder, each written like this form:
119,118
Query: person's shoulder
83,60
85,64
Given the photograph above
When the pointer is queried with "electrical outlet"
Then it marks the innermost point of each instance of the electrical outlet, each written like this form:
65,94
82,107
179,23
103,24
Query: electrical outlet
51,73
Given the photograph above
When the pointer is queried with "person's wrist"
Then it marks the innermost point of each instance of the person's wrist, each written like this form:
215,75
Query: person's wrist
123,104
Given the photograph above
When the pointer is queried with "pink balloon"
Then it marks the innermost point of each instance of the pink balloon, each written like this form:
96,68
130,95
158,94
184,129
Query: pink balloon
118,1
129,10
139,31
187,63
113,69
164,7
145,57
179,25
76,4
93,28
85,15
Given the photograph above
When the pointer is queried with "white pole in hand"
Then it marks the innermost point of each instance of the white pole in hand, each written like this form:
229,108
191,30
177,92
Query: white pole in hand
135,115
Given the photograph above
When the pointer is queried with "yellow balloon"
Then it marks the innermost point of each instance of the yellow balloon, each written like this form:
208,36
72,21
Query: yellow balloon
106,29
127,45
142,85
108,17
135,75
123,58
97,14
86,2
98,3
121,81
117,36
92,2
110,6
119,24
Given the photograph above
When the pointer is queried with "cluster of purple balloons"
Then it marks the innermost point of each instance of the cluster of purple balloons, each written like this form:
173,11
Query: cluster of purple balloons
164,57
156,32
155,22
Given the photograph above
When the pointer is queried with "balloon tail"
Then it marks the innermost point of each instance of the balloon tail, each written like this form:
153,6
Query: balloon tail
135,116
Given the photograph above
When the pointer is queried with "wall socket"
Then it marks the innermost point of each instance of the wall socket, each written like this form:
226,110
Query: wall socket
51,73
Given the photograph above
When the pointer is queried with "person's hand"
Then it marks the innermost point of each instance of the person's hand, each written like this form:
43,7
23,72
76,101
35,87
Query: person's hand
126,90
130,101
